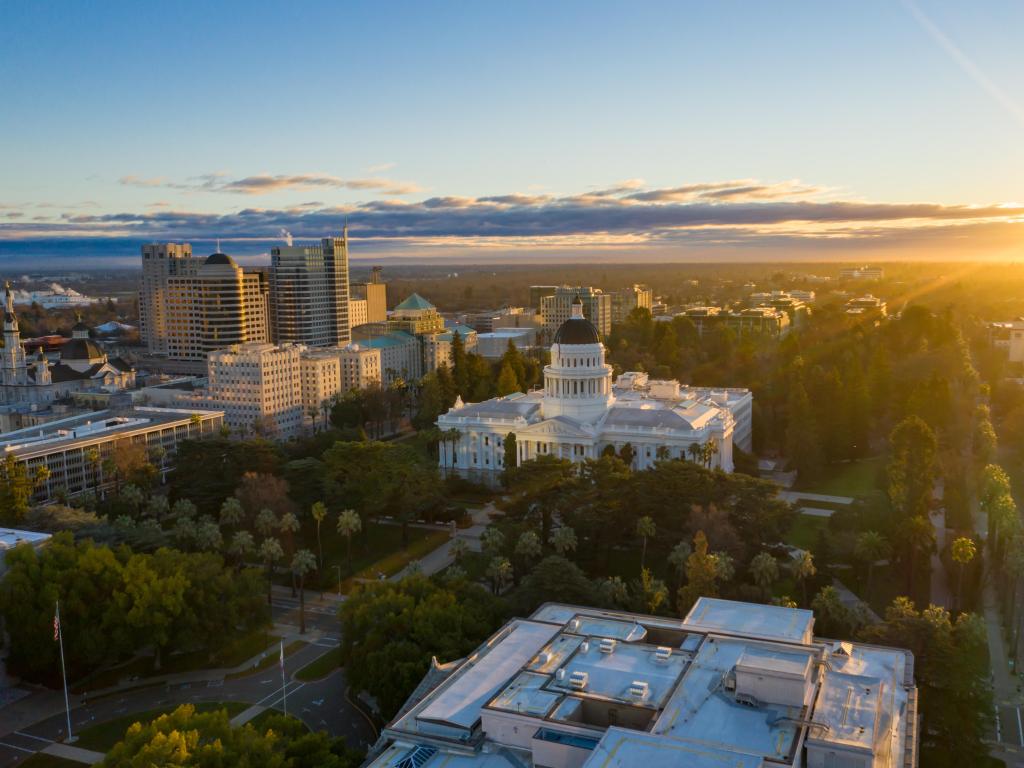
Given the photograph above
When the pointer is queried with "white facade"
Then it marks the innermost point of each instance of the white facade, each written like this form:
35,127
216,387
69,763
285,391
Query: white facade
493,344
578,415
357,313
259,388
360,367
320,378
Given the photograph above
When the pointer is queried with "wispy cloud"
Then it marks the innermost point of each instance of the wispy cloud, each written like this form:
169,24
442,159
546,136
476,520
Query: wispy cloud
263,184
381,167
728,214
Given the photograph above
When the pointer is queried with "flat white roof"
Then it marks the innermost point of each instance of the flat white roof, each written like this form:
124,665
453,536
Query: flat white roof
848,708
771,622
459,701
12,537
780,663
623,748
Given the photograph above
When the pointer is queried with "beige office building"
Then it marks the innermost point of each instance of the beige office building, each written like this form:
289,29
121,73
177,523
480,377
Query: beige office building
160,262
320,379
360,367
557,308
258,387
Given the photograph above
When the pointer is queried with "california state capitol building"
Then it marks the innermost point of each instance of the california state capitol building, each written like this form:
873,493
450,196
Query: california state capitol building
581,412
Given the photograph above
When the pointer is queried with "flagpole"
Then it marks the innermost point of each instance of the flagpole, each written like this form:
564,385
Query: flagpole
284,684
63,671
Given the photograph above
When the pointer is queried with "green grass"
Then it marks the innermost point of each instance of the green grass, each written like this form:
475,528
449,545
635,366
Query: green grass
39,760
804,531
269,660
260,721
234,653
321,667
395,561
103,736
855,478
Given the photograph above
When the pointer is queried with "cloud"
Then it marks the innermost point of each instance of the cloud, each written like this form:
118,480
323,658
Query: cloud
732,214
263,184
381,167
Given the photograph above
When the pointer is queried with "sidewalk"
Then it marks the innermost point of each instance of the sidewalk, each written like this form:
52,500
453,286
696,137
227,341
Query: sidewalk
441,558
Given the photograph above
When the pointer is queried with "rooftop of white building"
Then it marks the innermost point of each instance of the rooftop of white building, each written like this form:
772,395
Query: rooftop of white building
733,684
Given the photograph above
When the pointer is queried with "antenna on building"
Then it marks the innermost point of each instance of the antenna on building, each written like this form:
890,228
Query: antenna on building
218,245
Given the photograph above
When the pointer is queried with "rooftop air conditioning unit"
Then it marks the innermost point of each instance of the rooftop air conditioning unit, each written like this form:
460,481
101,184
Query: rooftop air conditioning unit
543,658
607,645
585,646
560,675
662,653
578,680
574,625
639,690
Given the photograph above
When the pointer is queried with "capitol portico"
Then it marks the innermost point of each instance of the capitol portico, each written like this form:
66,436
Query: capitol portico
580,413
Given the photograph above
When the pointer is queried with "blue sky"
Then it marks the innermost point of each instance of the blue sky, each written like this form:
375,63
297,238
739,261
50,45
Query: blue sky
816,126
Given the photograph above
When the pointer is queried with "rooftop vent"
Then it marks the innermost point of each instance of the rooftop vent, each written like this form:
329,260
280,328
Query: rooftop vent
607,645
662,653
574,625
543,658
639,690
585,646
578,680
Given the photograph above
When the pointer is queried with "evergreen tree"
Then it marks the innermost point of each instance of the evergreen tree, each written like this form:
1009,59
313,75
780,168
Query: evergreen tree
507,381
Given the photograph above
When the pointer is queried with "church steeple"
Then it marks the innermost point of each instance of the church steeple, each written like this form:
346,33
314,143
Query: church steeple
13,370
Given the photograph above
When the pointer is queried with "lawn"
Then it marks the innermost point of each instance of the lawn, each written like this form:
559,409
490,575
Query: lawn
321,667
377,543
103,736
804,531
234,653
398,559
854,478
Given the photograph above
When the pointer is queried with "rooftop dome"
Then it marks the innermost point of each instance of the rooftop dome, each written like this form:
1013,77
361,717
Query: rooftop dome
80,349
577,330
220,258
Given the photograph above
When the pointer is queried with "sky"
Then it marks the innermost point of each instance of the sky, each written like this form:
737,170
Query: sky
515,131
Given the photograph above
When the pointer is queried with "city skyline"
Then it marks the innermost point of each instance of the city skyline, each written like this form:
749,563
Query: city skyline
663,132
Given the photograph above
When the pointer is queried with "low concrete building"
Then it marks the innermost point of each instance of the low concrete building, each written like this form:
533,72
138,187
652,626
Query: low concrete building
733,684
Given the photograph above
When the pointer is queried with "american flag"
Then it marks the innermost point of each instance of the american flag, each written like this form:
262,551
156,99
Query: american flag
56,625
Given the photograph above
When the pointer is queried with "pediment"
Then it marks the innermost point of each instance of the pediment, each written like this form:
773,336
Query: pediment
559,426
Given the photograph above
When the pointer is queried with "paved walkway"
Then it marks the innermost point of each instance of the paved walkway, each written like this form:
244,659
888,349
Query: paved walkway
854,603
795,496
71,752
816,512
441,558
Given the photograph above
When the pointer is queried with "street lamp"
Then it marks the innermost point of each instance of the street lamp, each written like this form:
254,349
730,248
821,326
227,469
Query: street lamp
338,569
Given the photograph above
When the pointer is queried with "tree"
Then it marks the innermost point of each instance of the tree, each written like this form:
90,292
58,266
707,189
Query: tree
270,553
803,569
183,508
302,563
507,381
458,549
701,575
242,545
554,579
803,443
266,522
528,548
764,569
319,513
349,524
157,507
231,512
499,571
391,631
832,618
192,739
208,536
564,540
511,455
871,547
912,467
17,485
492,541
678,556
963,551
152,598
645,529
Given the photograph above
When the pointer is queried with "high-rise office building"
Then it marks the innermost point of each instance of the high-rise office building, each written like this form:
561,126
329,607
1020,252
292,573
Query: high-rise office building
190,306
628,299
557,308
309,293
160,261
212,306
369,302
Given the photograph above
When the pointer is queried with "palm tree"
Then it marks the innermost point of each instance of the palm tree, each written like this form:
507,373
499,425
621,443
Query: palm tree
302,563
156,456
458,549
231,512
266,521
803,569
270,553
764,569
662,453
349,524
528,547
183,508
645,529
1014,564
92,456
564,540
871,546
963,551
242,544
289,525
110,468
725,568
694,450
499,571
313,411
208,536
492,541
157,507
319,512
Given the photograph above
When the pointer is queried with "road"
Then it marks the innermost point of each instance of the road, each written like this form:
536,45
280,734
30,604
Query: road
321,704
